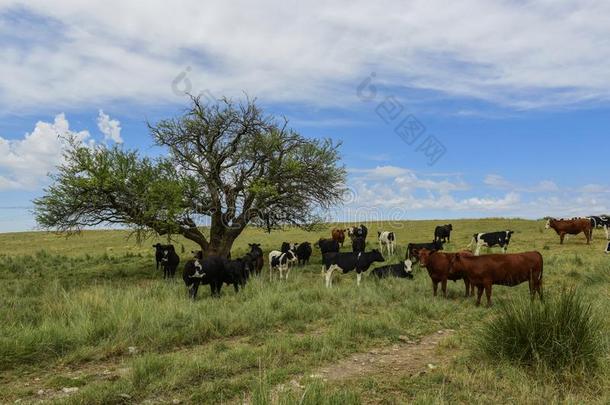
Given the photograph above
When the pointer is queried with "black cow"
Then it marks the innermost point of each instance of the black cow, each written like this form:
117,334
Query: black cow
348,262
328,246
303,252
159,248
210,270
414,248
257,254
490,239
400,270
443,233
237,272
358,244
170,261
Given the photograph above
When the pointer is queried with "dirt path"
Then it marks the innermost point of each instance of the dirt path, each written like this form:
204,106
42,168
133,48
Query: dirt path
408,358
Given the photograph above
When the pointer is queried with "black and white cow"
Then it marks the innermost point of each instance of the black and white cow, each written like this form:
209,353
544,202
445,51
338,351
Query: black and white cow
443,233
400,270
303,252
599,222
489,240
358,232
210,270
169,261
159,249
281,261
358,244
348,262
387,240
414,248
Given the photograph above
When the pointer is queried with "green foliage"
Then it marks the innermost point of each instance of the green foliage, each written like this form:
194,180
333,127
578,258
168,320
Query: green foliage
560,334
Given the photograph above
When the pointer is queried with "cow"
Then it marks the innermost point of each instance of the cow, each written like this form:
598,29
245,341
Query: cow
414,248
570,227
338,235
281,261
210,270
387,240
328,246
358,232
358,244
303,252
348,262
438,265
500,269
400,270
489,240
442,233
170,261
237,272
256,253
159,249
599,222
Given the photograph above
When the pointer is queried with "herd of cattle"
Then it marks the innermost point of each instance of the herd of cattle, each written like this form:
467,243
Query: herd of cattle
477,271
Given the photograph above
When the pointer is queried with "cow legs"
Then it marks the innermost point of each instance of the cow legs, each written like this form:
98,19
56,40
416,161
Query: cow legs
488,294
561,237
479,294
434,287
467,285
281,268
477,251
329,275
444,287
287,271
589,236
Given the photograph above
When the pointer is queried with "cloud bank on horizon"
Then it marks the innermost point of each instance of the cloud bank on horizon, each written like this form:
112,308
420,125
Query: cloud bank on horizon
66,58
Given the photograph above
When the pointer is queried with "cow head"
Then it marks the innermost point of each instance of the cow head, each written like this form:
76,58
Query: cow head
450,227
548,223
408,268
424,256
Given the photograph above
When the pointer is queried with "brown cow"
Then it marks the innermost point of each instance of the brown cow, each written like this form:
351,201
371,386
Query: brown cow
565,227
438,265
505,269
338,235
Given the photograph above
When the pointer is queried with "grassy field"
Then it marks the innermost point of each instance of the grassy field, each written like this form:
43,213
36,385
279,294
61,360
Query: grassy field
88,320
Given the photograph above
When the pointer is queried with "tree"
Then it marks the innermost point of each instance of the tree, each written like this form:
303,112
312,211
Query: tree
228,162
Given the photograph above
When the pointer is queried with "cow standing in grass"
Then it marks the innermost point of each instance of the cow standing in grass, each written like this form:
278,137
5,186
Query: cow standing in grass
169,261
281,261
443,233
256,254
491,239
387,240
303,252
346,262
201,271
159,249
500,269
438,265
338,235
570,227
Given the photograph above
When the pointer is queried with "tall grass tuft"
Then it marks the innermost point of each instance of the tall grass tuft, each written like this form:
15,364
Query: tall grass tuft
561,334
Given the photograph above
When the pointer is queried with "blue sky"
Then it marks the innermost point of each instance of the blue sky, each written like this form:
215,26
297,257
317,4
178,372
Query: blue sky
514,94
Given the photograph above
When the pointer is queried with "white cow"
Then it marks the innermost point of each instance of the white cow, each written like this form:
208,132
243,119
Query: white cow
387,239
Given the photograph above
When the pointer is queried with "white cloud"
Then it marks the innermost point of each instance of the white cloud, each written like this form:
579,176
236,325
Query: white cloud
520,53
109,127
25,163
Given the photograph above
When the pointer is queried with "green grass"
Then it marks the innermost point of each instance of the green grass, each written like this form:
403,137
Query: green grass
71,309
561,334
